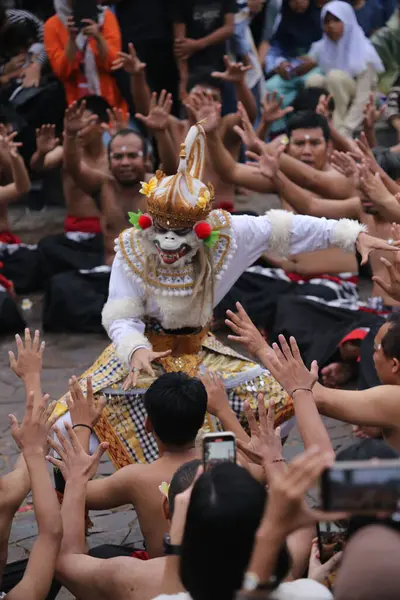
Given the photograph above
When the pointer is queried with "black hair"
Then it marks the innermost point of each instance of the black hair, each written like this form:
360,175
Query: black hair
308,119
18,36
391,340
176,405
182,479
203,77
96,105
124,133
225,510
308,98
367,450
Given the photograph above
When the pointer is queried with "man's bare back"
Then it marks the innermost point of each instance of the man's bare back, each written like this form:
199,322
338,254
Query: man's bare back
139,485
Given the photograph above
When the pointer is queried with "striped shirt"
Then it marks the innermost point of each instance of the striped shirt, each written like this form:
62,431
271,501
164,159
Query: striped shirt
15,15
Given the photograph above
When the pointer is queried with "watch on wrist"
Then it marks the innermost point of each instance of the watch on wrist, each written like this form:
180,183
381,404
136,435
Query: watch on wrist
252,583
171,549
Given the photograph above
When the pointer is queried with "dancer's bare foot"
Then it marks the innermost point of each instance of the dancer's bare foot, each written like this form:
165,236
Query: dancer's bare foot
365,433
337,374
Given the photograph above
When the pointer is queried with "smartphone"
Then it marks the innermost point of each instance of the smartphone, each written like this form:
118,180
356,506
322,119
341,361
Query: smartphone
362,486
85,9
218,448
331,539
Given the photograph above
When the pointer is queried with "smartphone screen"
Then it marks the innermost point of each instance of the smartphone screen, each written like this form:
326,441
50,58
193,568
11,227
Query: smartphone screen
218,448
362,486
331,539
85,9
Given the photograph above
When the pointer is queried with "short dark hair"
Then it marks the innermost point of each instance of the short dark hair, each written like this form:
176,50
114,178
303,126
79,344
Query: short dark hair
308,119
176,405
181,481
124,133
225,510
308,98
204,77
96,105
391,340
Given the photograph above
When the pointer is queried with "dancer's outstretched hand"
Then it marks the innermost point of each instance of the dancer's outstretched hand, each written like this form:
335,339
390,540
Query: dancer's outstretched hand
245,330
367,243
141,361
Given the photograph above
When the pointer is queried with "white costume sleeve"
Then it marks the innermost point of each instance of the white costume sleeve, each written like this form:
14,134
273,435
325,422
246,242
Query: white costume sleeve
123,312
282,233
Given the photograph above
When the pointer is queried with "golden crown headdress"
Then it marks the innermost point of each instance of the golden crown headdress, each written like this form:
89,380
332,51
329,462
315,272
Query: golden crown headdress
182,200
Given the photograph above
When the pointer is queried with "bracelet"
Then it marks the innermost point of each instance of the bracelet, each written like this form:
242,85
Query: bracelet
276,460
301,389
83,425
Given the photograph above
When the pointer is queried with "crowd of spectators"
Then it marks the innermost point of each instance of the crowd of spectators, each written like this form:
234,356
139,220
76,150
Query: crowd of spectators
299,99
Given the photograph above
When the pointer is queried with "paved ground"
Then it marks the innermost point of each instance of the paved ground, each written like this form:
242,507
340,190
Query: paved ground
65,356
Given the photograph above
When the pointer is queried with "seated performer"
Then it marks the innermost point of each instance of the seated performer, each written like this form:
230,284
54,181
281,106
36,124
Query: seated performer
81,244
171,268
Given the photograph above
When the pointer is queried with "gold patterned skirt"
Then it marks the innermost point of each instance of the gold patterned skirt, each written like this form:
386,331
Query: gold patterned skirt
122,424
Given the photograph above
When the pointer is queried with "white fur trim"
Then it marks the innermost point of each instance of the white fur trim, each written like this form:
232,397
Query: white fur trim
345,233
124,308
128,344
281,226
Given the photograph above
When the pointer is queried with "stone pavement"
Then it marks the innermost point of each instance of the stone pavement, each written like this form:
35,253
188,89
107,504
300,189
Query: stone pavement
67,355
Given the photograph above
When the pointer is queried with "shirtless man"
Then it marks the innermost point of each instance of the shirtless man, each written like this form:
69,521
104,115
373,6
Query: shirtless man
81,245
199,83
121,578
13,191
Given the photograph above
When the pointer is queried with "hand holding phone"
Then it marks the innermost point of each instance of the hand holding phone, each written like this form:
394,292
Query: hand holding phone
218,448
84,10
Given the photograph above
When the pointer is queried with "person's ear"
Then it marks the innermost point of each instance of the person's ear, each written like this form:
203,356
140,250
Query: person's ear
395,366
148,426
165,509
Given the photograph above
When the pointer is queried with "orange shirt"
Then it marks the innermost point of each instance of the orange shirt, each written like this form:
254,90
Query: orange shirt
55,41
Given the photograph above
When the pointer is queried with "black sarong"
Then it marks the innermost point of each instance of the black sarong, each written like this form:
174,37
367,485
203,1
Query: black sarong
11,320
22,265
367,375
74,301
60,254
318,328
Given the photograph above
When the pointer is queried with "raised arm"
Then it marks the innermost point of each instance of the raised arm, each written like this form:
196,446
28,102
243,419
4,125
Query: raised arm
87,178
49,154
236,73
131,63
32,438
113,491
21,182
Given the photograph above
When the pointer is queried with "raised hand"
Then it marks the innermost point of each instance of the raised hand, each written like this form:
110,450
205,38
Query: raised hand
272,108
7,142
84,410
347,166
323,106
265,441
245,330
373,187
235,72
159,112
391,287
288,368
91,29
372,114
202,107
246,131
141,361
217,398
74,120
29,355
32,434
46,140
267,163
75,464
130,62
117,120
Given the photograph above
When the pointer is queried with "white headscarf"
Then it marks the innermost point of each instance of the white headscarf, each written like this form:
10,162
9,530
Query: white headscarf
353,52
63,11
